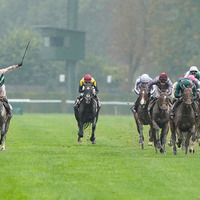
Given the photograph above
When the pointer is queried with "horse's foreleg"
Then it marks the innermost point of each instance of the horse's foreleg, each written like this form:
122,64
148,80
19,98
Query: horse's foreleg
187,141
191,146
173,137
157,129
193,139
150,137
3,138
92,138
139,129
198,134
80,132
164,133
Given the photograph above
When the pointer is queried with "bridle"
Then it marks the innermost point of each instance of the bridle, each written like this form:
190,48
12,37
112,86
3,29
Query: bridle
88,93
163,101
187,95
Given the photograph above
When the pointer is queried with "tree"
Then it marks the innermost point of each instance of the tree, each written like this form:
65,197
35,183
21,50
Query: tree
34,71
130,35
175,34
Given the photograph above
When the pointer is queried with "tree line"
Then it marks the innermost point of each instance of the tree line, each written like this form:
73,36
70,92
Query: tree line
124,38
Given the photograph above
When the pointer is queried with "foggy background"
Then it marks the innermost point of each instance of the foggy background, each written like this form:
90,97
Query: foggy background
123,38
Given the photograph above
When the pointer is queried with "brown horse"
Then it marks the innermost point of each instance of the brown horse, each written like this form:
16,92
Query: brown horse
184,122
198,119
141,116
160,120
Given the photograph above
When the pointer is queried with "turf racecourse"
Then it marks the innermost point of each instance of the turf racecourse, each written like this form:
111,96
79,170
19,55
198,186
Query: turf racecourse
44,161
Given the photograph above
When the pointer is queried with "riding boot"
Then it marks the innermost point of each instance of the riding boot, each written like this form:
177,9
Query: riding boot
137,104
77,102
194,108
134,108
7,106
98,101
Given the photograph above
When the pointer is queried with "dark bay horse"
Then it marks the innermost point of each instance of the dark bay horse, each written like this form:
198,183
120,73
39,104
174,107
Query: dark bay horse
141,116
4,123
160,120
87,113
184,122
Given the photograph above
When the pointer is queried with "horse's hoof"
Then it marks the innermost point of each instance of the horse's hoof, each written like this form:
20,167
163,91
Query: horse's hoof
175,153
191,151
186,155
79,140
3,149
140,141
94,142
170,143
161,150
150,143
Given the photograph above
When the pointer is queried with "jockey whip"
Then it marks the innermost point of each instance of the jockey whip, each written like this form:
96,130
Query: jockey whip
21,63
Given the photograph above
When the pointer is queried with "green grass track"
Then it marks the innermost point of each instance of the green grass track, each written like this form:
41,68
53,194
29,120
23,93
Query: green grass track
44,161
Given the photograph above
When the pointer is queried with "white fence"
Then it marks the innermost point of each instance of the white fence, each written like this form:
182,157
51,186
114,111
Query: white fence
111,103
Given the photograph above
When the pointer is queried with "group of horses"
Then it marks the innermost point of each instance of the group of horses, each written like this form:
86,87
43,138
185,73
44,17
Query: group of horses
184,126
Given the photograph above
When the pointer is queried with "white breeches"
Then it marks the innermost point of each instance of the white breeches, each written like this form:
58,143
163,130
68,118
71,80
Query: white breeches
3,90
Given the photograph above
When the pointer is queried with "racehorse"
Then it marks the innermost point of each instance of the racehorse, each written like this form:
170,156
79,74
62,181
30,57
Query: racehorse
198,120
87,112
4,123
184,121
141,116
160,120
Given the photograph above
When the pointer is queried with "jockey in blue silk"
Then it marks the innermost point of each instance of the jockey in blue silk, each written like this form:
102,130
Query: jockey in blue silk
141,81
3,88
178,94
87,79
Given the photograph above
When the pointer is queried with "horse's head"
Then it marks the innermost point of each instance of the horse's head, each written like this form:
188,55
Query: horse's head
143,95
88,92
187,95
163,100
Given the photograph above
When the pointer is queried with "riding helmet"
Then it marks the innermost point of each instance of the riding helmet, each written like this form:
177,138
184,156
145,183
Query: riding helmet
87,78
145,78
163,77
193,69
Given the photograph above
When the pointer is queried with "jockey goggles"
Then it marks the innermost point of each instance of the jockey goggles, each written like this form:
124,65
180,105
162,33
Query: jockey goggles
193,72
163,81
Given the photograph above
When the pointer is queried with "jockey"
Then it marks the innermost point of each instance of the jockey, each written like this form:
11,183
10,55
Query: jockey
193,71
194,80
178,94
87,79
163,84
3,88
141,81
